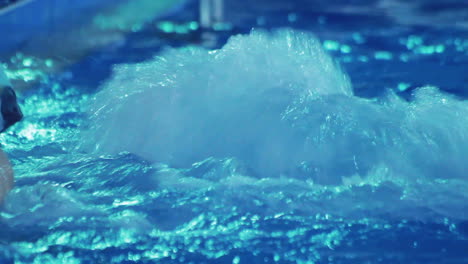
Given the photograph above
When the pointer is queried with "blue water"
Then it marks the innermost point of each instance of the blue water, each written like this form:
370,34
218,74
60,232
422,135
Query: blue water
341,139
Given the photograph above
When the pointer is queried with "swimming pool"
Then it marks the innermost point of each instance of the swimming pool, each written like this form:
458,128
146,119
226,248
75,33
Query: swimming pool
265,151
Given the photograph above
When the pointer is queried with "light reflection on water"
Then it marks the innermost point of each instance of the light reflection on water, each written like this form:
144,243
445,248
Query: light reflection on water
73,207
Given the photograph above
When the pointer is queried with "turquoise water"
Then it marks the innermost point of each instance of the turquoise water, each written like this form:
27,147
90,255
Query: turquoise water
280,147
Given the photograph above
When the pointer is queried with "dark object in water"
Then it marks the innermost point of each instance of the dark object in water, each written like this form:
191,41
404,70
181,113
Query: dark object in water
10,110
4,3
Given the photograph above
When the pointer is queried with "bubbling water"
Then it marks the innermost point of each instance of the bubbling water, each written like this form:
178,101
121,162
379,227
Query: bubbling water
280,104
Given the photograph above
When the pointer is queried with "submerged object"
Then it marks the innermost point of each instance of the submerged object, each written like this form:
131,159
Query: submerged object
9,108
6,175
10,114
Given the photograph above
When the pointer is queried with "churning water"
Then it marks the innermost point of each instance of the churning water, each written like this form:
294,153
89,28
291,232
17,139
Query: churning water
258,152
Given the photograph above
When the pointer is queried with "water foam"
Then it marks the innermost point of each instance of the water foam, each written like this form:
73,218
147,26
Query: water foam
279,103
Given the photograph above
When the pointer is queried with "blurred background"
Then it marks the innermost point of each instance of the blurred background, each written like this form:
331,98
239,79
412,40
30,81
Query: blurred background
47,36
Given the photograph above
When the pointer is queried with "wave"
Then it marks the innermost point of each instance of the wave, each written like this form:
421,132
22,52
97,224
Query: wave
280,104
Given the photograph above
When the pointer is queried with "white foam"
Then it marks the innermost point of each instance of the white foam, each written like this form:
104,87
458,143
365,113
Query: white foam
280,104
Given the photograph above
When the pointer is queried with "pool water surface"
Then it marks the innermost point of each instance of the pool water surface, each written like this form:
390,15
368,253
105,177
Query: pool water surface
332,133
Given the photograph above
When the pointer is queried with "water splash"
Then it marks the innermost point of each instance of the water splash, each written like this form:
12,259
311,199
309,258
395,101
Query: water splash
190,104
352,178
278,103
